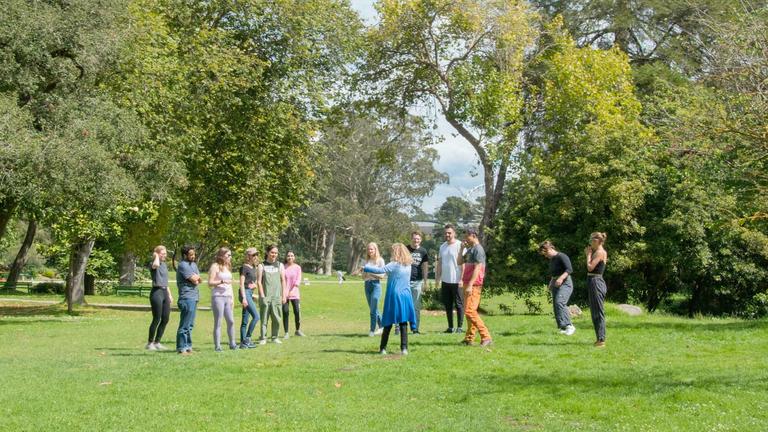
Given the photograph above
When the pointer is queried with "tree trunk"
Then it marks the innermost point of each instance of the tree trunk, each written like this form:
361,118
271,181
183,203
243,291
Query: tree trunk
7,208
320,252
21,256
328,258
127,269
78,259
355,252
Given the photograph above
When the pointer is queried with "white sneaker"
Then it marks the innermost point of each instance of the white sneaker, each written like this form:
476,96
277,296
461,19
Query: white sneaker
562,331
287,335
160,347
378,331
262,341
404,352
150,347
277,341
383,352
570,330
371,334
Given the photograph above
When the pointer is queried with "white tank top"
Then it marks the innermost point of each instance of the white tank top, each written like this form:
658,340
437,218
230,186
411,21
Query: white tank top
224,289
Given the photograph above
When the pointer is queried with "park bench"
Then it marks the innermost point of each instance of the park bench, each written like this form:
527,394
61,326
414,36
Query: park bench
132,290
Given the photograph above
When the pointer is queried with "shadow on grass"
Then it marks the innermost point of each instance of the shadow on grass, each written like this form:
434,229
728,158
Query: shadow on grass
692,325
351,351
16,314
346,335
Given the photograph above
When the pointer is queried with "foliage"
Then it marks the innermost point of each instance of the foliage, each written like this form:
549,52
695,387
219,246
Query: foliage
457,210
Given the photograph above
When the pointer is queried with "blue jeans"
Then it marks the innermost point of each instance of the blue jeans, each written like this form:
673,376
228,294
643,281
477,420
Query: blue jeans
372,296
416,287
251,311
187,309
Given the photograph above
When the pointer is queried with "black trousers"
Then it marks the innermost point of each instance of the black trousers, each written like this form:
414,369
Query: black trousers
161,313
403,336
451,297
296,314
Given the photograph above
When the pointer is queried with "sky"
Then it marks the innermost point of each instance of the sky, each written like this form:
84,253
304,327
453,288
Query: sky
457,158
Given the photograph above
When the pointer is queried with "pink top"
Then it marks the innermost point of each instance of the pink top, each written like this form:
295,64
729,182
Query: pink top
292,281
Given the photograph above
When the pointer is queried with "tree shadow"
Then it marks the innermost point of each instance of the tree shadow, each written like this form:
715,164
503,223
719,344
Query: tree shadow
346,335
19,314
351,351
692,325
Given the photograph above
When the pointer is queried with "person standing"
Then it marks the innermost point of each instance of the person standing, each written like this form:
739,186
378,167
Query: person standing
187,280
270,279
560,285
160,299
292,295
372,283
398,302
596,260
419,274
247,285
222,298
448,279
473,259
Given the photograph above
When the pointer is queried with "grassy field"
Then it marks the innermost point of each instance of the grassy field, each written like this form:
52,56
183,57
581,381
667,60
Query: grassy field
658,373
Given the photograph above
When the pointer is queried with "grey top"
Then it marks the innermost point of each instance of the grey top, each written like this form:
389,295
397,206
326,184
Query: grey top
187,290
159,275
475,255
560,264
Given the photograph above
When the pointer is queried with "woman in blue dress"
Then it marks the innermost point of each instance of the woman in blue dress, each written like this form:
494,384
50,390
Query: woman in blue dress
398,302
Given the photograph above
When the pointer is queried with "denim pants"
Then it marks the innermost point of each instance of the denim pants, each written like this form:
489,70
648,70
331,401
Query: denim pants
187,309
372,296
416,287
251,312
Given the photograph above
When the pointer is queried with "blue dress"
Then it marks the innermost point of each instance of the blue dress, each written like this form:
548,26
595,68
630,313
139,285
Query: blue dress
398,302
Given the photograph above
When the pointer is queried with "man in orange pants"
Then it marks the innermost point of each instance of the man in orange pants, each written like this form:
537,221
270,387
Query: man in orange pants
473,258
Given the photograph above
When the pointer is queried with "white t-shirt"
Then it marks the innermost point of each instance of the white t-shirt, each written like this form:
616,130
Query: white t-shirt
449,266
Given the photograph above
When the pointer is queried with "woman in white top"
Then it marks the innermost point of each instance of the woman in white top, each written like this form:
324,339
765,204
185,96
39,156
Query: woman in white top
222,299
373,287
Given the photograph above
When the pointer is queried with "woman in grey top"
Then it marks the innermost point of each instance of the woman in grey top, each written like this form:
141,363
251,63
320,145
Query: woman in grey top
160,299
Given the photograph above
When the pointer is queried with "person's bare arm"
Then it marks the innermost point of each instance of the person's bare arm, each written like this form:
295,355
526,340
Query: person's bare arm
438,272
259,272
242,290
155,260
473,279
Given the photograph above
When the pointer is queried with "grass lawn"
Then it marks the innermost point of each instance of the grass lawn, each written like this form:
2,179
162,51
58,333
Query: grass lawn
90,372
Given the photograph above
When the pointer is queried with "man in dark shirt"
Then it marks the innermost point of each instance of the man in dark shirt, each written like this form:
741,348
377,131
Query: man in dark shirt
187,280
419,274
560,284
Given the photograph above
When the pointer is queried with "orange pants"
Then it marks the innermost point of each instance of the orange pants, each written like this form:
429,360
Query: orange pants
471,303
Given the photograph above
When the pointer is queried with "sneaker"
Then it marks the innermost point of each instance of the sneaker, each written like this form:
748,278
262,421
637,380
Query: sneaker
150,347
570,330
449,330
299,333
233,347
459,330
404,352
160,347
415,332
262,341
600,344
371,334
383,352
247,344
397,330
217,349
562,331
486,342
185,353
378,331
287,335
277,341
467,343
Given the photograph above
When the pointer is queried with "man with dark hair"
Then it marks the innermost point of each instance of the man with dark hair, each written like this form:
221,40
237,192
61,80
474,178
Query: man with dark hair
187,280
473,259
419,274
448,278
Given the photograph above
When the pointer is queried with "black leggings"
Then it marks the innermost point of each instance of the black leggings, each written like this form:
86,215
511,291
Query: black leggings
161,312
403,336
296,314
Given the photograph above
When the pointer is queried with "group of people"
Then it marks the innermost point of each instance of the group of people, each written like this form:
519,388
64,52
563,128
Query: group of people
277,284
459,275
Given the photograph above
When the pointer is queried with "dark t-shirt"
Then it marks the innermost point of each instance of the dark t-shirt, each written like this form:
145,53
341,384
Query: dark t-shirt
560,264
159,275
419,256
249,273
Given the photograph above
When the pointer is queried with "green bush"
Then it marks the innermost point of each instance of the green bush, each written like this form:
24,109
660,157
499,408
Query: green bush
48,288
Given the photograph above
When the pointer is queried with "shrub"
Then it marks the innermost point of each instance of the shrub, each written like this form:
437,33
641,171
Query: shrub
48,288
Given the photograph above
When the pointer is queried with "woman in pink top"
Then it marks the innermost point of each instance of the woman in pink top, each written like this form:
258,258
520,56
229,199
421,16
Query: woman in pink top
292,295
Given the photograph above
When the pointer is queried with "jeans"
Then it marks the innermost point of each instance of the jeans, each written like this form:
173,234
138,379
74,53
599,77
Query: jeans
161,313
372,296
222,307
187,309
416,287
560,296
449,292
251,312
296,313
270,308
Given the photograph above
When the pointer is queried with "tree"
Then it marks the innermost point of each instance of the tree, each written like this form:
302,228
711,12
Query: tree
469,58
457,210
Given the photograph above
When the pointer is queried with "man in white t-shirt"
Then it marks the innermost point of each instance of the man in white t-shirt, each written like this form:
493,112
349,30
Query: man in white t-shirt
448,278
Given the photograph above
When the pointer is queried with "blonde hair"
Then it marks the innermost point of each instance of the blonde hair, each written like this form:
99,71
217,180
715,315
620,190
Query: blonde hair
599,236
401,255
250,252
377,254
159,248
220,257
546,245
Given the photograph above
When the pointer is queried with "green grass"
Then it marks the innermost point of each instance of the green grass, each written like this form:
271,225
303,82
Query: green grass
658,373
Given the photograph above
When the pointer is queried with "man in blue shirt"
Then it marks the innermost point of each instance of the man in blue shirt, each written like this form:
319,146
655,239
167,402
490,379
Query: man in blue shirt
187,280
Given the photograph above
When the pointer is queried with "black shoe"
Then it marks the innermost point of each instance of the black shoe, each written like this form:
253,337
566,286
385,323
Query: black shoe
450,330
415,332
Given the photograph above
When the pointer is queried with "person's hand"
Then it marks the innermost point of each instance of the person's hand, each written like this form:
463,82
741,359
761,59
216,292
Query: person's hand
155,256
285,300
468,291
251,285
245,303
588,250
437,284
558,282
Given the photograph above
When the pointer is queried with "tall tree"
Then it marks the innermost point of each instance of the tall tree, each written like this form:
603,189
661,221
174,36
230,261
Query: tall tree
466,56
